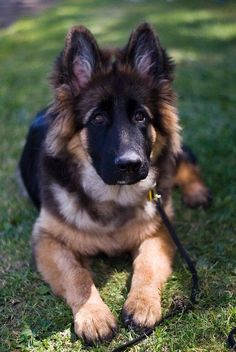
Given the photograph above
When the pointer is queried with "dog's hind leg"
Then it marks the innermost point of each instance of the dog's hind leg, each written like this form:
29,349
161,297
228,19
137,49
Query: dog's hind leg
188,178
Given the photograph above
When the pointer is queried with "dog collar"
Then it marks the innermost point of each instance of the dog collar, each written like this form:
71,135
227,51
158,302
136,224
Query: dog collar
153,194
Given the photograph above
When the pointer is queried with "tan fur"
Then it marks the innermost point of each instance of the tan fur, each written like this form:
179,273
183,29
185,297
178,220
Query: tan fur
171,120
77,146
188,178
63,126
158,143
152,267
64,271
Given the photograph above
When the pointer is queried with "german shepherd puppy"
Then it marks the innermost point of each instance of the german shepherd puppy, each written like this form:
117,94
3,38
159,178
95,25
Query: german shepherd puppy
110,135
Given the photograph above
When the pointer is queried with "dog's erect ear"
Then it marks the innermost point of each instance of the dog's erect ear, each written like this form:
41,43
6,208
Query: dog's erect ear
82,55
144,52
80,58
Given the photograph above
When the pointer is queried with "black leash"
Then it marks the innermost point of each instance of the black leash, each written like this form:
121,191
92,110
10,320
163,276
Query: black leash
179,307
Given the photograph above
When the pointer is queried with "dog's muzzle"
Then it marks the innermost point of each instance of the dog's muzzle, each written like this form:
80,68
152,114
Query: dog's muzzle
129,168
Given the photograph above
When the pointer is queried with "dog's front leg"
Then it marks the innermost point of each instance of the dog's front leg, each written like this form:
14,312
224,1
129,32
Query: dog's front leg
152,266
68,278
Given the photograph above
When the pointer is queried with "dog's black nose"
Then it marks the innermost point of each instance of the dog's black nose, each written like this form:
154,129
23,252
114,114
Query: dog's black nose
128,163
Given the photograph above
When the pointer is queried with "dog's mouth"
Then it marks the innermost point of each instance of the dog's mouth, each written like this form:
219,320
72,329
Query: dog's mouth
124,179
131,181
121,183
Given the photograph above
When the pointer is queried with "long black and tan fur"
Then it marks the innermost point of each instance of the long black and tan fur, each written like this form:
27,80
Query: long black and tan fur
111,134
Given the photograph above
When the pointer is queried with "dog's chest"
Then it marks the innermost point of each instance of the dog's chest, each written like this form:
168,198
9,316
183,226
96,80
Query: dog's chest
100,217
110,229
91,237
107,226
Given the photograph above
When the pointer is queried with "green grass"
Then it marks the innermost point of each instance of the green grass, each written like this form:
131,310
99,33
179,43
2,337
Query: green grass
201,36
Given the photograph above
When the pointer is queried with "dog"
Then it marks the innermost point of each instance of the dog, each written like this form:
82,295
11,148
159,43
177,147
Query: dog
110,136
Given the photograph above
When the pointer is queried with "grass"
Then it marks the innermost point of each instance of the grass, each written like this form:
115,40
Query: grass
201,36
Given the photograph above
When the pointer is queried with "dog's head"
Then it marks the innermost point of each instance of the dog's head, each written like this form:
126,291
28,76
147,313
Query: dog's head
114,110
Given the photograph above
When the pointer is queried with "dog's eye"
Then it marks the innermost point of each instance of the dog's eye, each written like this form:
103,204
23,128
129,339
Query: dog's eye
98,119
139,116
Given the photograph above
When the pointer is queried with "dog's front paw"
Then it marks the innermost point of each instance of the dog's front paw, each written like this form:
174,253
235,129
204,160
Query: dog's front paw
141,311
196,195
95,323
